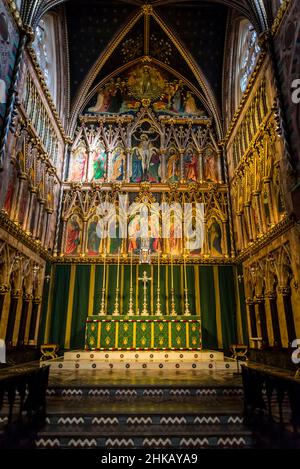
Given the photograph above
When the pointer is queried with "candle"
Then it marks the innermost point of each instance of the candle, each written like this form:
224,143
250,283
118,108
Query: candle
118,270
131,269
104,270
172,278
185,278
158,274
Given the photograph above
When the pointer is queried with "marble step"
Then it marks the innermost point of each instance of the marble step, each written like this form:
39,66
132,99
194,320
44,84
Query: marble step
61,364
143,355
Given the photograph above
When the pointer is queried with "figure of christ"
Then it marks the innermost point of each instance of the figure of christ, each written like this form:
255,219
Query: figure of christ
145,150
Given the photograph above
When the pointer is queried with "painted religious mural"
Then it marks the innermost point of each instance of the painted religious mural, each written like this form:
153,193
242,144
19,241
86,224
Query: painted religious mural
9,39
152,129
145,83
152,222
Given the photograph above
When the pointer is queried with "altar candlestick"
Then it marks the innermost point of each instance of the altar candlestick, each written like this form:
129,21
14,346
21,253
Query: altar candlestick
187,311
130,311
102,310
116,311
158,305
173,312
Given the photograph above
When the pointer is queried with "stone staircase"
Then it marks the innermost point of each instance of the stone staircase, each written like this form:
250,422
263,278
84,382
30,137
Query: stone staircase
144,416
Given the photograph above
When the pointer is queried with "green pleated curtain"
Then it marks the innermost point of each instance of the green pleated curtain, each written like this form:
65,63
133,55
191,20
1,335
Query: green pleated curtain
74,292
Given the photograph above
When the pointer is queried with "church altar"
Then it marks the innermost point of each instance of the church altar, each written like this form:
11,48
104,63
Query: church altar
145,333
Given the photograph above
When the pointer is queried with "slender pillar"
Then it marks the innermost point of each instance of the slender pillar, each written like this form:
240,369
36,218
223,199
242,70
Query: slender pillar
263,321
15,298
128,165
258,208
275,320
16,207
27,298
33,320
252,316
200,165
267,182
288,310
3,291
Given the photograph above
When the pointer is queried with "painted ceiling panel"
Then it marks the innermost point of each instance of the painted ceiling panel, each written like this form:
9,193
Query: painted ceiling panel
91,26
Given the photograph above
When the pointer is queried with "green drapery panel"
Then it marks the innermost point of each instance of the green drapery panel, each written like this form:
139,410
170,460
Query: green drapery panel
66,309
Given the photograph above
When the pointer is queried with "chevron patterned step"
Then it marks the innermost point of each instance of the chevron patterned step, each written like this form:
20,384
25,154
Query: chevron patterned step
176,436
131,392
209,419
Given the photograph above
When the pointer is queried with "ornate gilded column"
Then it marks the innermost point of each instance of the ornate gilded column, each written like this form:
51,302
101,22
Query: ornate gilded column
272,297
108,165
288,311
249,220
267,186
225,242
40,219
200,166
240,230
163,164
16,208
219,166
46,227
33,191
128,165
256,196
84,237
182,175
64,235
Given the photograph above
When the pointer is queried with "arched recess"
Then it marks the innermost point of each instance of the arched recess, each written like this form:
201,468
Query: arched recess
154,61
104,57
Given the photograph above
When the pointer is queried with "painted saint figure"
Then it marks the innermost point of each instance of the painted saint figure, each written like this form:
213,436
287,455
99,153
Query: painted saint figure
173,173
73,236
99,163
215,239
93,238
191,167
210,168
78,163
154,168
118,164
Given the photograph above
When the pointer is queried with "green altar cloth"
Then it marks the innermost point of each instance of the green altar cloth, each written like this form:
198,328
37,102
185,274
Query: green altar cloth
143,333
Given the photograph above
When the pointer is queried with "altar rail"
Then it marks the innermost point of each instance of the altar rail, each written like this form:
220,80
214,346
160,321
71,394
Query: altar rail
271,395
